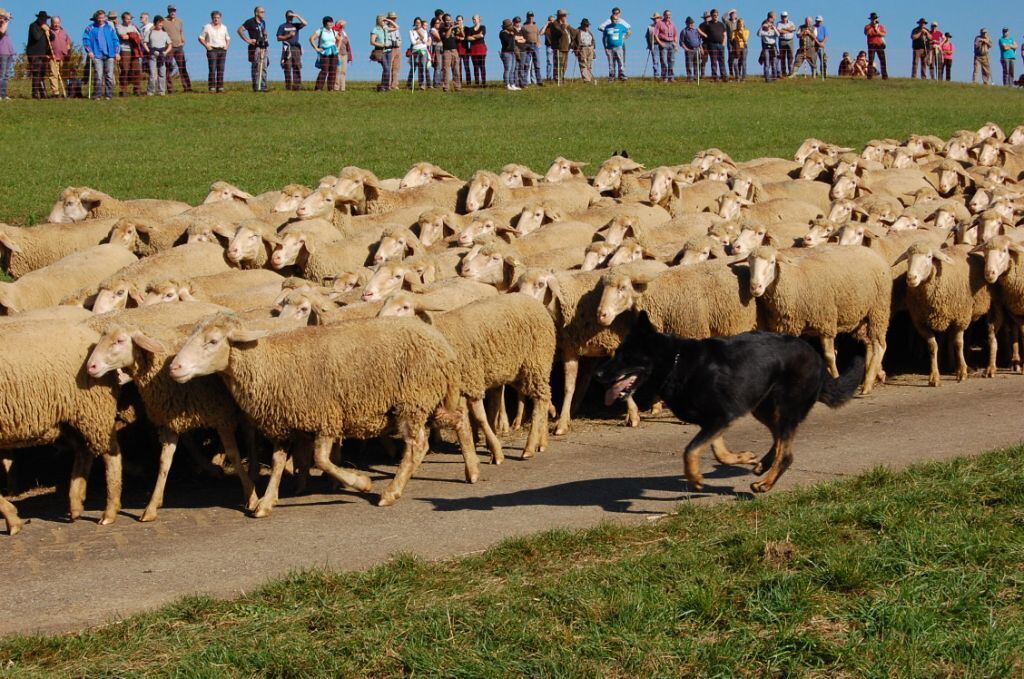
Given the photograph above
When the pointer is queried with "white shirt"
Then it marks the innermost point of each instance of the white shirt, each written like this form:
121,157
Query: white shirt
216,37
419,39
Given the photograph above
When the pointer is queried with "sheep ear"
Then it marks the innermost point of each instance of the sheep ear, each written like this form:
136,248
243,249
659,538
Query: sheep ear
239,194
556,289
185,294
6,241
90,198
770,239
533,178
137,296
425,315
783,258
147,343
6,298
511,270
1016,247
553,214
744,202
942,256
439,174
862,189
244,335
308,244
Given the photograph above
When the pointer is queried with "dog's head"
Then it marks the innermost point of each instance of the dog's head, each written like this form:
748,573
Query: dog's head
628,372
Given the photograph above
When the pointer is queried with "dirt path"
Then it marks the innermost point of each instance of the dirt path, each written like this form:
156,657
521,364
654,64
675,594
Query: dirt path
60,576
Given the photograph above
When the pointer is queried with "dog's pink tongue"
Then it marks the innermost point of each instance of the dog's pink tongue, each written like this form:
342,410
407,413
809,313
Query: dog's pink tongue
615,391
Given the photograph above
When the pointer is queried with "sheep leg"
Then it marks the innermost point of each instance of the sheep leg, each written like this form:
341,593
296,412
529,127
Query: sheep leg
476,405
468,448
80,469
499,414
112,462
828,344
993,324
933,350
583,380
269,499
322,459
572,367
873,353
227,439
168,444
657,408
415,451
536,440
302,460
9,475
10,514
632,413
517,422
783,449
961,371
248,433
1015,361
726,456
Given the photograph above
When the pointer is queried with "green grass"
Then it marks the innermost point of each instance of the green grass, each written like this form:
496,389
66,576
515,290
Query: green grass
174,147
911,574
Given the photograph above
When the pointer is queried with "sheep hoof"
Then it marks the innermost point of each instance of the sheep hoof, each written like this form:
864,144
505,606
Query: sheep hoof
632,422
1018,368
527,453
386,500
934,381
561,430
148,515
961,375
107,520
497,460
365,485
697,484
14,527
990,372
262,511
881,377
517,425
472,477
760,486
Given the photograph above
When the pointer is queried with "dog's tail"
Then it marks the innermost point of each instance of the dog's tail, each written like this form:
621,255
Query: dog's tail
836,392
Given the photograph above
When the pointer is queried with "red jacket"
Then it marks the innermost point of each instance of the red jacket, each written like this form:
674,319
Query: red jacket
876,34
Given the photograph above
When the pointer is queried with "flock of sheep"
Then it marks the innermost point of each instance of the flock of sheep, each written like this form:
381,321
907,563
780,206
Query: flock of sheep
369,308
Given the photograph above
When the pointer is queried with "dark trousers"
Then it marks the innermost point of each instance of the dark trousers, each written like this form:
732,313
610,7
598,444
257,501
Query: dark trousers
880,51
716,54
417,67
291,63
131,74
738,63
328,72
179,58
946,70
1007,72
770,61
464,65
259,63
786,57
39,65
920,59
215,60
479,68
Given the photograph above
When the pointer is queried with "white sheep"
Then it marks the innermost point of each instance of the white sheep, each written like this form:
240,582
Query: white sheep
621,177
78,203
562,169
422,174
209,288
1004,267
486,189
27,248
366,194
517,176
79,271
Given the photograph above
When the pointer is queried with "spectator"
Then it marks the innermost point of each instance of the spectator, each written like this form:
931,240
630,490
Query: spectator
254,33
935,57
325,42
145,26
436,50
861,67
703,48
130,40
919,38
344,56
562,37
394,41
450,37
653,46
731,22
463,49
665,36
176,29
787,42
615,31
1007,56
690,41
769,48
713,33
845,66
158,45
529,50
103,50
60,47
477,45
549,50
982,44
419,53
291,49
738,49
875,32
381,53
585,51
947,55
215,40
807,51
821,44
7,53
37,50
509,48
522,68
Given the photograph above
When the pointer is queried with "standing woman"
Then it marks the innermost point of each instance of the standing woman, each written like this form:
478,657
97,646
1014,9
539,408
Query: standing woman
325,42
738,50
158,46
463,50
509,48
381,53
344,55
477,51
436,51
216,40
419,46
7,53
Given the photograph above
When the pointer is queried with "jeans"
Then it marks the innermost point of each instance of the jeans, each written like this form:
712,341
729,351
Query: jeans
616,62
291,64
417,65
770,61
103,77
785,58
717,56
668,62
508,61
6,71
438,57
691,57
328,73
1007,72
385,71
258,70
549,51
465,64
823,62
880,51
738,63
531,65
157,74
655,52
215,62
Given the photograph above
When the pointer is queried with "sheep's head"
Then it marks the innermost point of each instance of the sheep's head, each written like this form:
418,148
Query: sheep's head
751,235
876,151
537,215
397,242
620,228
815,166
619,292
855,233
116,293
944,217
433,224
981,200
846,185
490,264
764,262
999,254
989,152
921,258
317,203
247,242
166,292
662,181
406,304
350,280
705,159
905,222
540,284
76,203
841,210
478,228
223,191
304,306
609,176
563,169
807,148
207,231
126,233
389,278
700,249
951,175
730,205
719,172
291,198
291,248
1017,136
991,131
516,176
597,255
115,351
422,174
902,158
990,223
959,148
820,231
481,190
208,348
629,250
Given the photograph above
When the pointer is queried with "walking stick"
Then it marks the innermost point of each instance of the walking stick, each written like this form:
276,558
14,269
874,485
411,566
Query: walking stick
263,61
89,72
643,74
60,81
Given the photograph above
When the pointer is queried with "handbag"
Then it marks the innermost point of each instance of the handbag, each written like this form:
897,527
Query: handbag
377,54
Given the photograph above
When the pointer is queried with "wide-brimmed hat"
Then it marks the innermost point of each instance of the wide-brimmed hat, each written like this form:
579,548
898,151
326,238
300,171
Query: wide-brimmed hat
922,21
585,23
392,15
42,15
873,16
655,16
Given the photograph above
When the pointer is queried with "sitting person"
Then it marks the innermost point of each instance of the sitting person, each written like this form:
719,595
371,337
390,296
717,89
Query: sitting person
860,67
846,65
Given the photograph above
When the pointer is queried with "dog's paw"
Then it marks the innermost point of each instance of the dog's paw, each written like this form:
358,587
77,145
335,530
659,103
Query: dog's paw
760,487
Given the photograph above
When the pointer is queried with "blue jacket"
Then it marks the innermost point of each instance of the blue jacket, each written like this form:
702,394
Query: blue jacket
101,41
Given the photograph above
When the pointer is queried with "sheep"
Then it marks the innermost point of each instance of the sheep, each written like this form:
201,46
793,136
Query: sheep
310,307
364,190
572,299
821,230
948,177
314,380
769,170
783,235
260,206
682,227
597,253
146,237
535,215
138,344
486,190
441,296
422,174
993,153
199,259
946,291
251,246
1017,136
698,197
517,176
25,249
79,271
433,224
496,262
815,167
922,145
829,290
563,169
207,288
900,183
397,242
731,206
1004,268
411,272
46,393
804,190
620,177
290,199
813,145
991,130
498,340
78,203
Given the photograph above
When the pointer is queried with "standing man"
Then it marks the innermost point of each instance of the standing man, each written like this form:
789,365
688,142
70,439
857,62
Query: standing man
665,35
530,47
919,38
585,51
215,40
714,33
103,49
562,38
690,41
175,29
982,44
394,41
937,38
7,53
787,40
291,49
549,50
38,52
875,32
808,48
769,48
1007,56
60,44
450,45
821,42
731,21
253,32
615,32
130,39
653,46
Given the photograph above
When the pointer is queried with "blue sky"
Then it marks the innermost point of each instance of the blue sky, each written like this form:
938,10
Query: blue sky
845,21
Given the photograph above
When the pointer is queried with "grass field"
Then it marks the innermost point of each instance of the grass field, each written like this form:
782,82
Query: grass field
174,147
912,574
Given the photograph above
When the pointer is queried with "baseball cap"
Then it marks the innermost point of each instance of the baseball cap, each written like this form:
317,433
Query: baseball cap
819,19
530,13
784,13
172,8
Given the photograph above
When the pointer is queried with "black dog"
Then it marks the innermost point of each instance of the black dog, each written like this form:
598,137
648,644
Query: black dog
714,382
